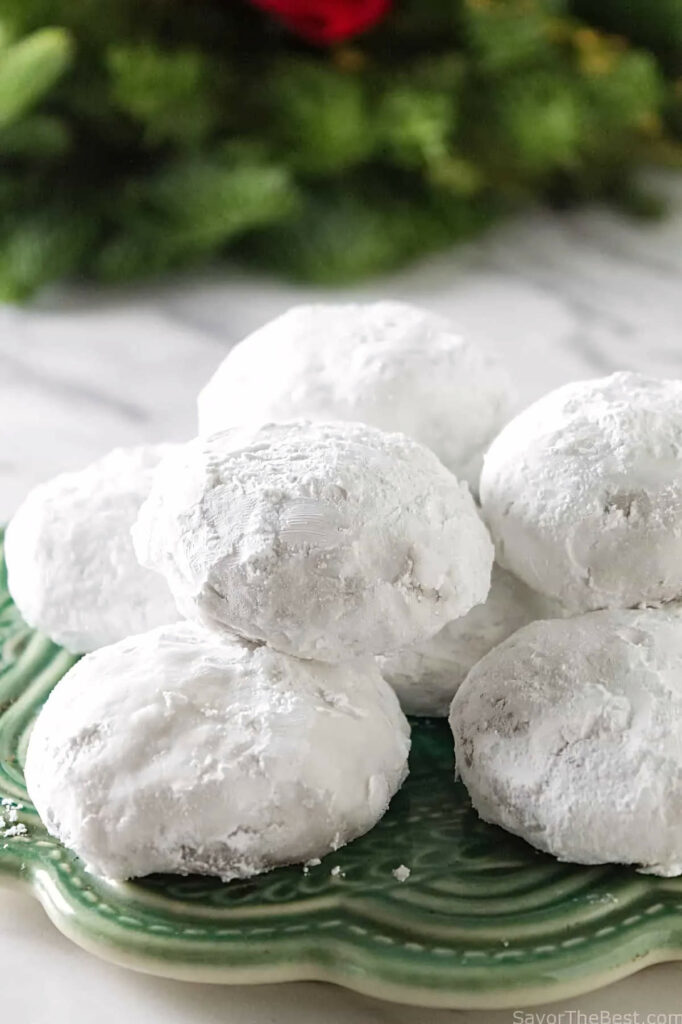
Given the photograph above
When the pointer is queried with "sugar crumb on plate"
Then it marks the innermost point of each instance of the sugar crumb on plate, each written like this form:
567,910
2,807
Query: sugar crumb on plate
401,873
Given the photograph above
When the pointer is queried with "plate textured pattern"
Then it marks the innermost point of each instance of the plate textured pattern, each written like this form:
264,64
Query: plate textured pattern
483,920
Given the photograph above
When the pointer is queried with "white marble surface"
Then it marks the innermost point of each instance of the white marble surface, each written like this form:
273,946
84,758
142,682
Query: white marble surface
559,298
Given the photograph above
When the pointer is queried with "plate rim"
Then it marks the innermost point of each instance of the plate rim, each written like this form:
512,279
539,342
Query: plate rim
41,867
302,971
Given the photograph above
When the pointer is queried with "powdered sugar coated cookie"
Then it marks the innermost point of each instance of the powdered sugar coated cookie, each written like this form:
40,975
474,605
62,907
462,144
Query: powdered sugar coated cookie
185,751
72,571
385,363
324,540
427,677
569,734
583,493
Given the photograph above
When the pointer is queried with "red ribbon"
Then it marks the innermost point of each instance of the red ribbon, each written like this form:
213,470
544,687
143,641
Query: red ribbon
326,21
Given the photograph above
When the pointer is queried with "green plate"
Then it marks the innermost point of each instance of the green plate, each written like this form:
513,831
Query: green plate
482,921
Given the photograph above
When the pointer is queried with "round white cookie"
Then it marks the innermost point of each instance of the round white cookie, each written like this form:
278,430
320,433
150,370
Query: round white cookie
184,751
583,493
72,570
569,734
324,540
427,677
385,363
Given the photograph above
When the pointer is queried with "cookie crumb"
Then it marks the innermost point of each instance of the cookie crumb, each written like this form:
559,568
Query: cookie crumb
336,872
14,831
401,873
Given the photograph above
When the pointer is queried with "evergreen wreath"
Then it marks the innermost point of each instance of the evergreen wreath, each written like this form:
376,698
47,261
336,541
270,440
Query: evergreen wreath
328,139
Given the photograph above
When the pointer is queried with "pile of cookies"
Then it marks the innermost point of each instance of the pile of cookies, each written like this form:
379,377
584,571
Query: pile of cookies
569,732
264,604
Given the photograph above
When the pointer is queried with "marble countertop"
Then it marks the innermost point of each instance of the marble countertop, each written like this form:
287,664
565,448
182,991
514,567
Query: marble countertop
559,297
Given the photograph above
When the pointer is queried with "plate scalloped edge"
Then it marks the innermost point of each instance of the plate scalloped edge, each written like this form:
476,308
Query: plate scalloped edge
483,921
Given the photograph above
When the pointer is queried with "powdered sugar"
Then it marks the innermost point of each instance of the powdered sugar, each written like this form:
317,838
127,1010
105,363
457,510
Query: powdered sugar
401,873
583,493
72,571
386,363
570,735
427,677
184,751
325,540
15,831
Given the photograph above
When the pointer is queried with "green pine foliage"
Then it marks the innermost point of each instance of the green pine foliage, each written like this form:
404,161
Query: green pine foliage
29,67
139,138
655,24
175,97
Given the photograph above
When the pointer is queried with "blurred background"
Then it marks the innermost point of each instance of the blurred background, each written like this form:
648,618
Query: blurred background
173,173
325,140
